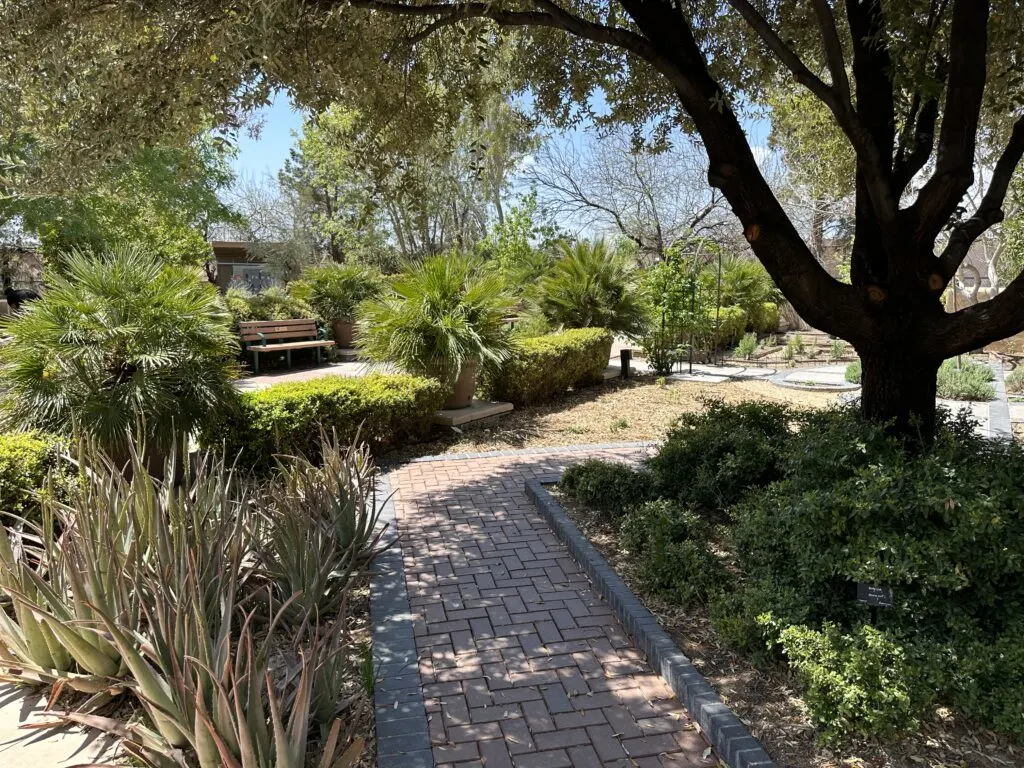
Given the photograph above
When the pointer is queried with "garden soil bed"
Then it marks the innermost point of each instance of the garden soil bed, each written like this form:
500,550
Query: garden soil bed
620,410
765,699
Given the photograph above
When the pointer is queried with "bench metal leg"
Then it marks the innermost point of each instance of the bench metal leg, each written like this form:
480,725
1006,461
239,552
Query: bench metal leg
288,357
255,363
318,362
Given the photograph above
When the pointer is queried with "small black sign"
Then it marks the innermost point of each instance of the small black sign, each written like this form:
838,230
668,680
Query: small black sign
872,595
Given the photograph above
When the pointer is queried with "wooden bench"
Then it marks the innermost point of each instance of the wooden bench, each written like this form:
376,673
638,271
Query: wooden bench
280,336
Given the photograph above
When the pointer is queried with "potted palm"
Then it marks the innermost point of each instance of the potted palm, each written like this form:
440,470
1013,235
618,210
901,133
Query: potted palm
443,317
334,291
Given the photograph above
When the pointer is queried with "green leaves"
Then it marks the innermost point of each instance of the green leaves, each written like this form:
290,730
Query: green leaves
120,341
441,315
589,286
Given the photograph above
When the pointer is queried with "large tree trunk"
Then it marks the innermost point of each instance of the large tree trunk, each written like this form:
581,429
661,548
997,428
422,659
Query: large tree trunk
899,389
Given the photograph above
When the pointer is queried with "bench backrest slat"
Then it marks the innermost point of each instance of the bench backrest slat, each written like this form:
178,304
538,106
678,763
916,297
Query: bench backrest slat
271,330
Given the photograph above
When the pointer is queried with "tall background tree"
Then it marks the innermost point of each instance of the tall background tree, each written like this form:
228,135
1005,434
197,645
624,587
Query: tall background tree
637,186
915,88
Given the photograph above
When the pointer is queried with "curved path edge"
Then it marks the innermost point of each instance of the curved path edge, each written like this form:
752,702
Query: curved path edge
732,741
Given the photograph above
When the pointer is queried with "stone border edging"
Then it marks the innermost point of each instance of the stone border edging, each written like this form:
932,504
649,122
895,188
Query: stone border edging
527,452
999,424
731,739
779,380
400,719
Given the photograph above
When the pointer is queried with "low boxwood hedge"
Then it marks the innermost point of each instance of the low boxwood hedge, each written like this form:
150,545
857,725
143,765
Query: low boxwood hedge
25,460
287,418
544,367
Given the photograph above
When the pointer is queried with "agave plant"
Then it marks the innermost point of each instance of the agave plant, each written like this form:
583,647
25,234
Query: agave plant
66,572
321,525
120,341
589,286
441,315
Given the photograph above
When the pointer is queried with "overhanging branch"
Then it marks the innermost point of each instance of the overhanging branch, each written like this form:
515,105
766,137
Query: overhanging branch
836,97
961,114
990,209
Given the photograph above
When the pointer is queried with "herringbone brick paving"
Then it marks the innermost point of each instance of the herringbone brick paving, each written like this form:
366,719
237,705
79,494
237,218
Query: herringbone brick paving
522,664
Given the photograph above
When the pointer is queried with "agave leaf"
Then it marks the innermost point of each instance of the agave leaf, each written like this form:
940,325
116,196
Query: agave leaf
155,691
87,655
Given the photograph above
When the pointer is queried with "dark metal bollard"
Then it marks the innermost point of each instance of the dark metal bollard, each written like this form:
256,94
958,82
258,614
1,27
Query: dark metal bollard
625,355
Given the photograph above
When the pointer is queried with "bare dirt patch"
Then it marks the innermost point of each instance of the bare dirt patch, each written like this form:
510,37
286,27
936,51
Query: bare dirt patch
620,410
767,702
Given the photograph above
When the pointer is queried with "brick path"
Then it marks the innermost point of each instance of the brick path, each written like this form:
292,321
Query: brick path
522,665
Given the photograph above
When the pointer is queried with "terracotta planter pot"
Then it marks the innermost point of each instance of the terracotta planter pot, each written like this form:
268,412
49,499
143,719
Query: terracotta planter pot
344,331
465,386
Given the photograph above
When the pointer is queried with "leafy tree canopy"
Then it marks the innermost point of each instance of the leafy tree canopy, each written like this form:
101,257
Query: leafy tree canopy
163,199
918,89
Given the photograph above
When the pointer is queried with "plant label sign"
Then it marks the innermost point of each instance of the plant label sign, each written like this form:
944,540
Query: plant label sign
874,595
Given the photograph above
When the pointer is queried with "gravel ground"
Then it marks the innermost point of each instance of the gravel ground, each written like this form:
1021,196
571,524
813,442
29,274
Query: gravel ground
616,411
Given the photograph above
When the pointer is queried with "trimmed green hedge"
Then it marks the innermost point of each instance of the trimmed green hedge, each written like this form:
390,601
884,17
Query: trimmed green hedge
544,367
287,418
25,460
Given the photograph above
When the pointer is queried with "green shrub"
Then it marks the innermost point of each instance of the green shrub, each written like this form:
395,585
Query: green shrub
592,286
606,486
795,346
988,681
837,349
747,284
272,304
731,324
661,352
440,316
943,528
710,459
764,318
969,380
667,541
747,346
861,682
288,418
1015,380
661,518
120,342
26,458
853,372
543,368
334,290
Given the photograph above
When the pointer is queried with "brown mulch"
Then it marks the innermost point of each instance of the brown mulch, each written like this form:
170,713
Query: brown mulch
616,411
765,698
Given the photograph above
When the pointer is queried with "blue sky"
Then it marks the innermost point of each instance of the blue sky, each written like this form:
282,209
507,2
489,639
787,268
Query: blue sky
267,152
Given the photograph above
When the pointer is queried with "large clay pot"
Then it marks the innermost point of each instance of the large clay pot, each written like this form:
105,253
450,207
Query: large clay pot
344,331
465,386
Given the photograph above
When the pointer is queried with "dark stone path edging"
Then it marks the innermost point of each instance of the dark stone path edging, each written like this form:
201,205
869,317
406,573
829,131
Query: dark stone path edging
731,739
400,713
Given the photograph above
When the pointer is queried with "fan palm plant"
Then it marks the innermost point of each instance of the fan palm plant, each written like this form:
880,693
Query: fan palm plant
443,318
334,291
120,343
589,286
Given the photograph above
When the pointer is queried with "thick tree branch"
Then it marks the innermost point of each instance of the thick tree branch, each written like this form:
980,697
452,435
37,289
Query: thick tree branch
733,169
961,114
552,16
990,209
836,98
912,157
833,52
